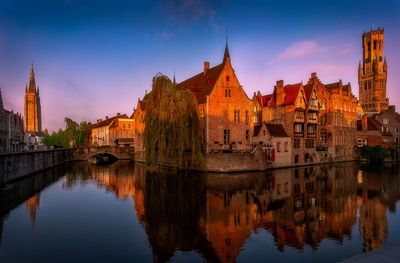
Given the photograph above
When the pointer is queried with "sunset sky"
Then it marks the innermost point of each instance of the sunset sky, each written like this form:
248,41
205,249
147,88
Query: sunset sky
95,58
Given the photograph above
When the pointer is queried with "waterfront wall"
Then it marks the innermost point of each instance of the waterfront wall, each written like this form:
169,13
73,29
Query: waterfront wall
16,165
223,162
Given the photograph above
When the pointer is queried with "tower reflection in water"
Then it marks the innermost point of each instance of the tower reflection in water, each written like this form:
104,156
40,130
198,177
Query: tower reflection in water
215,214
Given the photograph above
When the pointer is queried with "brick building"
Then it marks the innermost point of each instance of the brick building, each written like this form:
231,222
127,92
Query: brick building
371,132
11,130
105,132
297,111
225,111
337,118
139,115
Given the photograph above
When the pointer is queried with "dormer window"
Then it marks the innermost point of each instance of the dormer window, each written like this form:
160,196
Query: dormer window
227,79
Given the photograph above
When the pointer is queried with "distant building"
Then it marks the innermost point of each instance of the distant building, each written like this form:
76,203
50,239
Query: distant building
11,130
371,132
372,73
112,131
32,108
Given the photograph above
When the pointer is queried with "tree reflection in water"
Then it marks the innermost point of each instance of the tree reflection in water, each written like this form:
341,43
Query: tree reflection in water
215,214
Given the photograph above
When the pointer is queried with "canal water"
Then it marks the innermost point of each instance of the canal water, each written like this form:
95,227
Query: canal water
126,212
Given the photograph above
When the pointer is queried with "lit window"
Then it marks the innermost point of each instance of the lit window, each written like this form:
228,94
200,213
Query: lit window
286,146
278,147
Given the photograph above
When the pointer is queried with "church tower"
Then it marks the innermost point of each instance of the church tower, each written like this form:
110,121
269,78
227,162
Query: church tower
372,73
32,109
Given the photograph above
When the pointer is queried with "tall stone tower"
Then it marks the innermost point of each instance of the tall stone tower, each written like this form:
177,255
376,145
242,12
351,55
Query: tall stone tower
32,109
372,74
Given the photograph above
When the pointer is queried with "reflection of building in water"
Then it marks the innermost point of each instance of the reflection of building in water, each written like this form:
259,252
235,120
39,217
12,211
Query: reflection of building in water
215,214
373,225
32,205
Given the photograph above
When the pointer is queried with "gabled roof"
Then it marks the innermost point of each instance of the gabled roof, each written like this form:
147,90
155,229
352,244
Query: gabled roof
308,91
107,121
202,84
374,125
276,130
142,105
291,92
263,100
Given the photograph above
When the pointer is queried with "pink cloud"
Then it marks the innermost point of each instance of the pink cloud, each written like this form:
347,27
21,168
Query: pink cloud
344,51
301,50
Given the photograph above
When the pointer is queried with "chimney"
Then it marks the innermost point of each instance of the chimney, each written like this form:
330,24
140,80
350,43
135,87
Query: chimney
206,67
118,114
313,75
106,117
100,120
280,93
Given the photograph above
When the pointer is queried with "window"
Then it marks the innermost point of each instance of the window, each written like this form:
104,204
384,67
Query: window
385,121
236,116
398,130
264,132
311,129
203,135
314,103
296,143
286,187
298,128
309,143
255,109
286,146
296,160
296,187
227,93
324,137
227,134
335,105
369,46
278,189
227,79
374,44
129,126
312,115
278,146
247,135
124,126
397,141
359,143
299,115
247,116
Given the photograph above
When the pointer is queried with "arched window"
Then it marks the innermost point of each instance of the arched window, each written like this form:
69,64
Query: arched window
296,159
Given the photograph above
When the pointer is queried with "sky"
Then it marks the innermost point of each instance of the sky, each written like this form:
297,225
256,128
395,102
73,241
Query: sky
95,58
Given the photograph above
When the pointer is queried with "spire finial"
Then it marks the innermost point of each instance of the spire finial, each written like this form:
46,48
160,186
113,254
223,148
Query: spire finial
174,77
226,54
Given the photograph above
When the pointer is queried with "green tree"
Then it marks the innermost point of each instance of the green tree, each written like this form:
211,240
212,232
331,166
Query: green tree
172,126
374,155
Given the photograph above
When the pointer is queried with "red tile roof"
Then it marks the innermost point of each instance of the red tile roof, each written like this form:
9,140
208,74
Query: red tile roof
276,130
291,92
308,90
107,121
202,84
263,100
374,125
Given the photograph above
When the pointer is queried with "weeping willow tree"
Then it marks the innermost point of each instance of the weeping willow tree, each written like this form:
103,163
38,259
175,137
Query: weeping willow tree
172,129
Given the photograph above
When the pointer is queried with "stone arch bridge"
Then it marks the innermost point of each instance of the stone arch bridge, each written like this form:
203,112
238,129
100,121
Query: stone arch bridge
120,153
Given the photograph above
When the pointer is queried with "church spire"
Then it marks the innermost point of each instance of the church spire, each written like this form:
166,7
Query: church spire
174,83
226,54
385,65
1,102
32,84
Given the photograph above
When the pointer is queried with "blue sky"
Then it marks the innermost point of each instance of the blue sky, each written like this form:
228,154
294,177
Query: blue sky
95,58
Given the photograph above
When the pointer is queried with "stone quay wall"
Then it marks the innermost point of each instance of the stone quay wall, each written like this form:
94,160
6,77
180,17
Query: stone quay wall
17,165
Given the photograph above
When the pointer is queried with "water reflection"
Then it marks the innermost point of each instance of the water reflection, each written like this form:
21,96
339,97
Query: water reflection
215,214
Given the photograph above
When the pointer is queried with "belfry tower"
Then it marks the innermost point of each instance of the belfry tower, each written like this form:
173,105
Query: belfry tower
372,73
32,109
